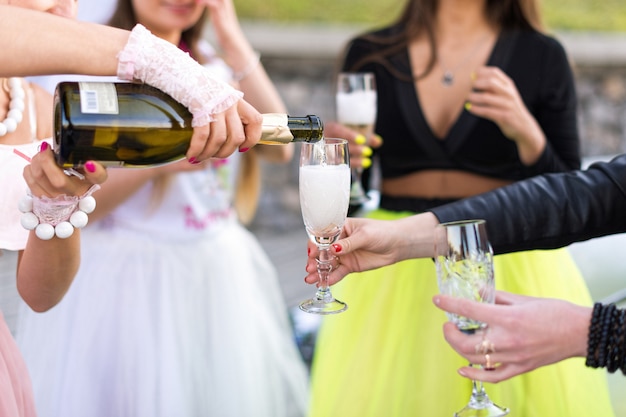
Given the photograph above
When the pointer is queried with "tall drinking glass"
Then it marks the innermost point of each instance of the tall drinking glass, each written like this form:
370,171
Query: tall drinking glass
356,108
464,261
324,196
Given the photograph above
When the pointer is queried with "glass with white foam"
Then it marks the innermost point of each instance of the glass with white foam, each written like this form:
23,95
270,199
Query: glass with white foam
324,198
356,101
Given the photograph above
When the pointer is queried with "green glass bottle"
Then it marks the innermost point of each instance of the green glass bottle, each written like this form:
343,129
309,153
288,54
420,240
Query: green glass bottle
136,125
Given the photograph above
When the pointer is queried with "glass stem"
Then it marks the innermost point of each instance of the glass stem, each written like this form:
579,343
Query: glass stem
324,267
479,398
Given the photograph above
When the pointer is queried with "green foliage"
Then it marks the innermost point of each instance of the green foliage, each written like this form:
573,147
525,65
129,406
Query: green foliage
592,15
376,13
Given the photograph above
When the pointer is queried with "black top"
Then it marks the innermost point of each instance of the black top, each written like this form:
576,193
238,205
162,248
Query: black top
549,211
535,62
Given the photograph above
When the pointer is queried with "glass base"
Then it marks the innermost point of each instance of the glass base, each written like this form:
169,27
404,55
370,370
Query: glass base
482,410
357,200
357,194
317,306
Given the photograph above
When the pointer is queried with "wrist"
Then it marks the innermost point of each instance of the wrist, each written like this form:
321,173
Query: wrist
581,318
161,64
57,216
416,234
246,66
532,146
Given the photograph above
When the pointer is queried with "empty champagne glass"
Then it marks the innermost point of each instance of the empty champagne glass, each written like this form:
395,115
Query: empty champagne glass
464,261
356,108
324,196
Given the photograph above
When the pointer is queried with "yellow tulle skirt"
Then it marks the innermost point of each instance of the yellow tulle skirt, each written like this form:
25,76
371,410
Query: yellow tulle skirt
386,355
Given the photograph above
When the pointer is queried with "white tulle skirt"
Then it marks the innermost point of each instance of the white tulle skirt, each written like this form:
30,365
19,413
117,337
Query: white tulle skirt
151,328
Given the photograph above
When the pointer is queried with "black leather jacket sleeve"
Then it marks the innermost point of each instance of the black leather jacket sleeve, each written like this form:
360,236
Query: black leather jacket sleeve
549,211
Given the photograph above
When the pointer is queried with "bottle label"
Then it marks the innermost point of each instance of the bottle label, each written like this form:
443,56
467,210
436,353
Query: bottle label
98,98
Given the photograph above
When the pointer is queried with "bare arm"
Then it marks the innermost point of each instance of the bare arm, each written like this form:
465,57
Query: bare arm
256,85
74,48
46,268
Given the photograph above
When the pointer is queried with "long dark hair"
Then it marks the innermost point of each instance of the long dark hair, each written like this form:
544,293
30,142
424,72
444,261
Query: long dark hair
124,18
418,18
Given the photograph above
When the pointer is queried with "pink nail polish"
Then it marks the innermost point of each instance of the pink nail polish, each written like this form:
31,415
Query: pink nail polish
44,146
219,162
192,160
244,150
90,166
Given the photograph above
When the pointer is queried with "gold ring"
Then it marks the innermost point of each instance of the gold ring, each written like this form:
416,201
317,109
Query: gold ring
488,366
484,347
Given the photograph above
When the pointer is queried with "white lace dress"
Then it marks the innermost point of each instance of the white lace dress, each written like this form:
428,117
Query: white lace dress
176,311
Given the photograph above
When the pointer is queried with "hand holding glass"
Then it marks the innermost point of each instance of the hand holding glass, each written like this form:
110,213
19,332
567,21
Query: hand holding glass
356,108
464,261
324,196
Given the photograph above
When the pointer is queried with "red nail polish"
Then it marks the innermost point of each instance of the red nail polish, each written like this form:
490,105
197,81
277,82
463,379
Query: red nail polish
337,248
90,166
192,160
244,150
308,251
44,146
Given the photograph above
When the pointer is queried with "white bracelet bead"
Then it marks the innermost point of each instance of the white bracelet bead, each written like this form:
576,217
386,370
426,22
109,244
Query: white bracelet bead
29,220
25,204
87,204
44,231
79,219
64,230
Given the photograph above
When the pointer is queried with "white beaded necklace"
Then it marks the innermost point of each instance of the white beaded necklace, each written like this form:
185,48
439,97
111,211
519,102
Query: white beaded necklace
16,105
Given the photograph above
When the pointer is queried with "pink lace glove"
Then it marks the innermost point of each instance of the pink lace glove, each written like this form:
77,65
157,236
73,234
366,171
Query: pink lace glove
161,64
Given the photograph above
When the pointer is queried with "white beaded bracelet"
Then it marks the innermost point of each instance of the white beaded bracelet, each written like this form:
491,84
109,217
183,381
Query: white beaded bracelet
56,216
252,64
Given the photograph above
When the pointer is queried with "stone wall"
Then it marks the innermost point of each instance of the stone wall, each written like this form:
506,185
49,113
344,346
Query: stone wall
301,61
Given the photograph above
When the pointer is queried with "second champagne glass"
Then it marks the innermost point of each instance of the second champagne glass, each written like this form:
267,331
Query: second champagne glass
356,101
324,196
464,261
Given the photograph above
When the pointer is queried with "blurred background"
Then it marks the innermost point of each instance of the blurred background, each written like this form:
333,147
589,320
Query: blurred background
300,42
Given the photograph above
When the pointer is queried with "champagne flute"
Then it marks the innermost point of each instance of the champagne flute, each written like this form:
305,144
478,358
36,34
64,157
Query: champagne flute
464,261
356,108
324,196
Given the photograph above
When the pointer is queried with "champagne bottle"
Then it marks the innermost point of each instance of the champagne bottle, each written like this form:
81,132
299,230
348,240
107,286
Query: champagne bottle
136,125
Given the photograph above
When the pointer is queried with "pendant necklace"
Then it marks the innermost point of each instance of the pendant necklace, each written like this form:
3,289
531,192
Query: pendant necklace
448,73
15,112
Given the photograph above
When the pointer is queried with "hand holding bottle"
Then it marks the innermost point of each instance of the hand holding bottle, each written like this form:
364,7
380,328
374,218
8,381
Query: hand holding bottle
44,177
224,127
237,128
